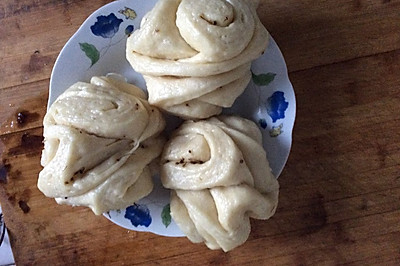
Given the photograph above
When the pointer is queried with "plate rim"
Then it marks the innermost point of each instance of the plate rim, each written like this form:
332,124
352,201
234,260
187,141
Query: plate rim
122,4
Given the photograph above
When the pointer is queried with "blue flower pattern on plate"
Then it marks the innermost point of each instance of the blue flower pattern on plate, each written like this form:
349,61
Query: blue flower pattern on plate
129,29
263,123
277,105
138,215
106,26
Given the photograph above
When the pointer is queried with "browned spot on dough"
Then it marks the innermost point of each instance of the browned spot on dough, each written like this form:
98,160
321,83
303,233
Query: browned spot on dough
80,171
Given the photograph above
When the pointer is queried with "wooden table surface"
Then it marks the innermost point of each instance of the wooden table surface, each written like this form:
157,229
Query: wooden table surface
340,190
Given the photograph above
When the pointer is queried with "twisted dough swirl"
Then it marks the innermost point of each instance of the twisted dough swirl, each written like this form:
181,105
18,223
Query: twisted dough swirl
220,177
99,140
195,55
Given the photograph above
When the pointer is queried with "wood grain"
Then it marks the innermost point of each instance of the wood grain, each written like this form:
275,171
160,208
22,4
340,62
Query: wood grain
312,34
40,28
340,190
24,106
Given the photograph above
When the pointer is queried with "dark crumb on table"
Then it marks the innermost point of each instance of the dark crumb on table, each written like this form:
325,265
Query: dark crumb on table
24,206
21,118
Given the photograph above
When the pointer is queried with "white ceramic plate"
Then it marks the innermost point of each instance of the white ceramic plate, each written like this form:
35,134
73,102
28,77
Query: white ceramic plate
98,48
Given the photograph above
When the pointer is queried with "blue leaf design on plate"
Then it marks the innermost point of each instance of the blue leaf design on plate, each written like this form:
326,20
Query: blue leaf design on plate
263,79
138,215
91,52
166,215
106,26
277,105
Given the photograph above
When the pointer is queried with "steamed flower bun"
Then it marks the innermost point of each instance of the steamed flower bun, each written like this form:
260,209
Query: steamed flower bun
220,178
195,55
99,139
